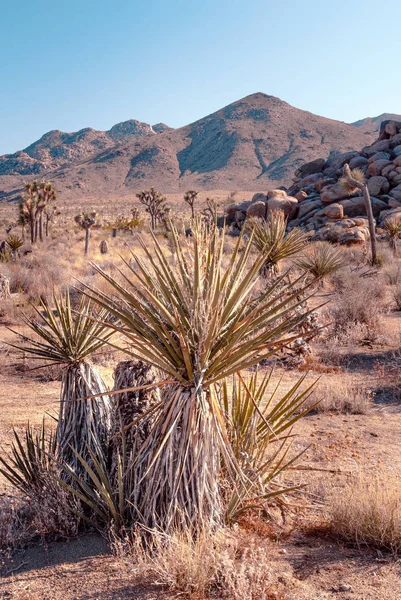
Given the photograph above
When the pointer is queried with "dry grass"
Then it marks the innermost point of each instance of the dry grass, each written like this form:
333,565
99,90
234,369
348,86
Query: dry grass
341,396
368,511
396,291
226,563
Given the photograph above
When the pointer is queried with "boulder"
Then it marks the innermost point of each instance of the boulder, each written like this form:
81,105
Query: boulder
387,170
333,193
257,209
337,161
397,161
232,209
322,183
380,146
301,196
353,207
396,192
314,166
334,211
240,217
389,128
259,197
394,213
281,202
378,185
397,150
393,203
376,168
309,206
378,156
358,162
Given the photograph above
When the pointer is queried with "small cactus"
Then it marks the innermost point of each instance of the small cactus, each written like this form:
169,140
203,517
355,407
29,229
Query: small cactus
104,247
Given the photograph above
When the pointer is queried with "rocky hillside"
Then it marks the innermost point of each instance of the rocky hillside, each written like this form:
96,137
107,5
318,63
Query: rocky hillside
57,148
372,124
318,203
253,144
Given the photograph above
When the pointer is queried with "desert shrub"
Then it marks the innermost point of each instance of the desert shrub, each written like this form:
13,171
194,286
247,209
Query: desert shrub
208,565
397,295
368,511
337,395
360,300
321,259
392,273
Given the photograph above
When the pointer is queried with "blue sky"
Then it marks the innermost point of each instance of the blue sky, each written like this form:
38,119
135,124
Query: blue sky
73,64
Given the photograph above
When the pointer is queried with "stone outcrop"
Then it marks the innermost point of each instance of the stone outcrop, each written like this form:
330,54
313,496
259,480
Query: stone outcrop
317,202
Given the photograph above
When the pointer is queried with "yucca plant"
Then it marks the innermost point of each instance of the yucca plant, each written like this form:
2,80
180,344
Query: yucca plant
354,180
32,457
14,242
198,321
321,259
392,227
259,427
270,236
69,338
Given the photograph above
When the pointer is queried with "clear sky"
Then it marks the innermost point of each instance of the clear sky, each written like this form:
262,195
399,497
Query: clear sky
68,64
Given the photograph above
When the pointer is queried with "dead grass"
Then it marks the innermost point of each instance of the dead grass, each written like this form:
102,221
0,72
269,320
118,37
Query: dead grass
341,396
368,511
226,563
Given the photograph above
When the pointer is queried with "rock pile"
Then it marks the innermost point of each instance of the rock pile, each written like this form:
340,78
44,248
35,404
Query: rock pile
317,202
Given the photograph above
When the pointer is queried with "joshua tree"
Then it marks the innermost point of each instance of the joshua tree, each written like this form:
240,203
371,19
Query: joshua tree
34,202
50,215
69,338
271,236
210,212
154,203
351,182
86,220
189,198
393,229
198,323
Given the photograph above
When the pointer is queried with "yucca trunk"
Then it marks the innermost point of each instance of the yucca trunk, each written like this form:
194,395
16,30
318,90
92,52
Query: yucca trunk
82,423
129,406
178,466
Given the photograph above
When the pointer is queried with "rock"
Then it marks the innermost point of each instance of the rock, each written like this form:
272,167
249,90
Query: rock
334,211
232,209
309,206
397,150
358,162
240,217
281,202
387,170
259,197
333,193
396,192
354,207
389,128
380,146
376,167
355,236
397,161
337,161
301,196
257,209
379,156
322,183
393,203
378,185
395,140
315,166
394,213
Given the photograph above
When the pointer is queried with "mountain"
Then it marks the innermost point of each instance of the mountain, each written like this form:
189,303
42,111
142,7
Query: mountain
372,124
57,148
253,144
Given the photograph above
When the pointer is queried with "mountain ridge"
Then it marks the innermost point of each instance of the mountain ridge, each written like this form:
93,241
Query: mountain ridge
254,143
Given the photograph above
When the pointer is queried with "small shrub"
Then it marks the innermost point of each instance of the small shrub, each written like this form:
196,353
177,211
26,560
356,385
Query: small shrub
321,259
368,511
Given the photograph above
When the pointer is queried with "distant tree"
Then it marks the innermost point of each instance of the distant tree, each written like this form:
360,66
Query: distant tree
189,198
86,220
210,212
154,203
50,216
34,202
